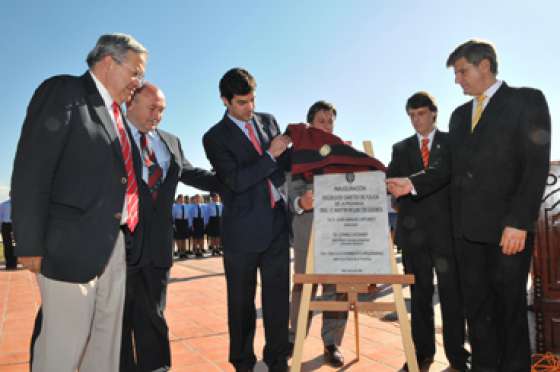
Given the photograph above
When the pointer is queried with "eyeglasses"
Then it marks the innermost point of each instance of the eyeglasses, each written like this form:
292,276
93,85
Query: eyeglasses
139,76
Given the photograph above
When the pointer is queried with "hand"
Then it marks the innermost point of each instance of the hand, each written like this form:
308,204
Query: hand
513,240
399,186
306,200
31,263
278,145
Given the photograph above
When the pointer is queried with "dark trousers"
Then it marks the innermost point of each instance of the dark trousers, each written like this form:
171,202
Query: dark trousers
145,336
11,259
436,253
241,276
495,296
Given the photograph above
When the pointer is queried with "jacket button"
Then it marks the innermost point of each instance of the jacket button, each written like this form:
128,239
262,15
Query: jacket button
123,180
469,175
118,216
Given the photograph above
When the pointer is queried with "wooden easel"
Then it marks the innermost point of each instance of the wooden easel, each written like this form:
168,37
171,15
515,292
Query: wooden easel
352,285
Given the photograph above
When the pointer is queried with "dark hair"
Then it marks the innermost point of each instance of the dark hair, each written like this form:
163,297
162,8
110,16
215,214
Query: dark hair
319,106
237,81
421,99
474,51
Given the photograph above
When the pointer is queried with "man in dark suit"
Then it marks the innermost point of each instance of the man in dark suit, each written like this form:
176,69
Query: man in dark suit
145,340
500,150
423,234
74,197
248,154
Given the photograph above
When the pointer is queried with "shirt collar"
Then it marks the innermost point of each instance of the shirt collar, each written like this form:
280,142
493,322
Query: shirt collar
136,133
239,123
107,99
488,93
430,135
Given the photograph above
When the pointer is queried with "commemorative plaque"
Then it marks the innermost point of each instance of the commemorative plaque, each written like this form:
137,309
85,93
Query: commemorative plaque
351,224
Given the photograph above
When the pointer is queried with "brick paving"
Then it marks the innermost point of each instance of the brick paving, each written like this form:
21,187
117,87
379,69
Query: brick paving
197,317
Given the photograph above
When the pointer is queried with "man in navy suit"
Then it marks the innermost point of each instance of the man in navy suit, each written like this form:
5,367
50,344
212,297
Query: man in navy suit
75,204
248,154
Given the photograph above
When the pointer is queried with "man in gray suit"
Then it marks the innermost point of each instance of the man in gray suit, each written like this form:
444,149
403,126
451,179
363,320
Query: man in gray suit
321,115
75,201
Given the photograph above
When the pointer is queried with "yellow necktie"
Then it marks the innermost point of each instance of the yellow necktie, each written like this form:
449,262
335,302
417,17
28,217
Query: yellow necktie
478,111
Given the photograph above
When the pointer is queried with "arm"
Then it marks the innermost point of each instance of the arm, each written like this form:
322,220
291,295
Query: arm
397,182
41,144
300,197
534,159
196,177
234,176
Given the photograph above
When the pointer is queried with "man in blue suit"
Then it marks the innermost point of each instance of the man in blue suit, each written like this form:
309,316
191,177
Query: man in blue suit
248,154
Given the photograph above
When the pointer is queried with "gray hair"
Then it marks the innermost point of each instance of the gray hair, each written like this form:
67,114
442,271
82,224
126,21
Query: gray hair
474,51
115,45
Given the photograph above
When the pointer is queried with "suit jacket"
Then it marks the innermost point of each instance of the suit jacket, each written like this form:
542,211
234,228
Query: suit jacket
429,213
69,180
499,170
155,245
247,218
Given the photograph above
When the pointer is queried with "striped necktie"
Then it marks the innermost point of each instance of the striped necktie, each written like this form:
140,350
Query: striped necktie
131,195
155,172
425,152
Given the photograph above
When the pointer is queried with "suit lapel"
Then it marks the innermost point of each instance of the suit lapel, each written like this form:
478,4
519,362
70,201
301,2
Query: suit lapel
492,109
96,101
238,138
413,153
263,132
174,162
436,146
136,155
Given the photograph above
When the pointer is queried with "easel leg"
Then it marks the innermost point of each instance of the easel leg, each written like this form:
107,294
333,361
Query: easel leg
406,334
357,333
303,318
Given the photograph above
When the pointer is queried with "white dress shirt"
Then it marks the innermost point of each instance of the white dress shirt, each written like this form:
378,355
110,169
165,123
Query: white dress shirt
108,101
488,93
430,136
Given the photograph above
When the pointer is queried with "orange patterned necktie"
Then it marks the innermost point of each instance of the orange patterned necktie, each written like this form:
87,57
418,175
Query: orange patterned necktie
425,152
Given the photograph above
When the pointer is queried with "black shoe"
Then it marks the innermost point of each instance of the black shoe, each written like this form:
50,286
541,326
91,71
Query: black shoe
333,356
423,365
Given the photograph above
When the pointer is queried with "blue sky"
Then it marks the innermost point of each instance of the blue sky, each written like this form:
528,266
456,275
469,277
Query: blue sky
367,57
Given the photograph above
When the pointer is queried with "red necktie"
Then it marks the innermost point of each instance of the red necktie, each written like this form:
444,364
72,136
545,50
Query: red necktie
131,185
425,152
257,147
155,172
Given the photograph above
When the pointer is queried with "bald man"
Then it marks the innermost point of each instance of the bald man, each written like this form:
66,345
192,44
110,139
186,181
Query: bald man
145,340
